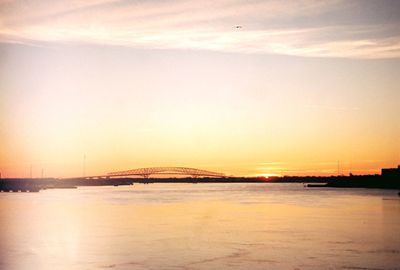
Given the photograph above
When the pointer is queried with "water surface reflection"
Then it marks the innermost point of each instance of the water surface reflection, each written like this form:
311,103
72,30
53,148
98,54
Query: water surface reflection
201,226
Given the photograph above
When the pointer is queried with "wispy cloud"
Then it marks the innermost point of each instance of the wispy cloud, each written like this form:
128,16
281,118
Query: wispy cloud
302,28
332,108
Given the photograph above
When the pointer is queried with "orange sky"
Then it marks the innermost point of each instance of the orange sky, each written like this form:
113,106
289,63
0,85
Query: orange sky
150,84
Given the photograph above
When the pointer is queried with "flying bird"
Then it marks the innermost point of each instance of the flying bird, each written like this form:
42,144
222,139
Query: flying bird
238,26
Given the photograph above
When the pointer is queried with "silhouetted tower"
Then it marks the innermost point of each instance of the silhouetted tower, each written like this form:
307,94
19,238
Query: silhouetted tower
338,168
84,166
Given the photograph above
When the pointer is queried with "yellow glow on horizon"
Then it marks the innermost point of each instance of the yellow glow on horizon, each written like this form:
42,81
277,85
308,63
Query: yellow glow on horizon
267,175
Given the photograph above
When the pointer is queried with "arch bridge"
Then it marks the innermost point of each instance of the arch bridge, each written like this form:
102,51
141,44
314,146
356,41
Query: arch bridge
146,172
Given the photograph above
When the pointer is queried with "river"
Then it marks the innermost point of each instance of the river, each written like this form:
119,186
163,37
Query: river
200,226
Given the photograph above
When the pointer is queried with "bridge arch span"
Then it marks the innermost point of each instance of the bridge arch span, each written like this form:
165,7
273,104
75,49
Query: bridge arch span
146,172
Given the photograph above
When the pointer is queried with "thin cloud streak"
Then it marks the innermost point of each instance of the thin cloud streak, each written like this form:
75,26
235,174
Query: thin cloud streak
205,26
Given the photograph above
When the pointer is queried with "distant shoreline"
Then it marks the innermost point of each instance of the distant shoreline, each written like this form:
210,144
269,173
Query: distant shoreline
352,181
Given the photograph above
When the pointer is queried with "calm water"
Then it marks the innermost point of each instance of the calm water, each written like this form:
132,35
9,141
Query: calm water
200,226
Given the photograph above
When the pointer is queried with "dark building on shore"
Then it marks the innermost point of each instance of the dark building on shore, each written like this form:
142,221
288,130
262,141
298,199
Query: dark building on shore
391,172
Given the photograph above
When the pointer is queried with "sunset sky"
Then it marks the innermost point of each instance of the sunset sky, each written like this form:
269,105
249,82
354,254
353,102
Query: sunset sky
241,87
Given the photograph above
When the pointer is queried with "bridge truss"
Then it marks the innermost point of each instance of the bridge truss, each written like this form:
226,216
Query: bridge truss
146,172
